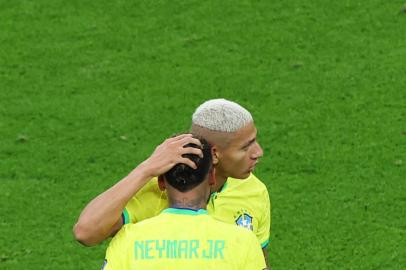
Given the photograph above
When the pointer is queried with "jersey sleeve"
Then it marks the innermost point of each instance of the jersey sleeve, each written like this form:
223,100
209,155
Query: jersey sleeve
147,203
115,259
254,259
264,224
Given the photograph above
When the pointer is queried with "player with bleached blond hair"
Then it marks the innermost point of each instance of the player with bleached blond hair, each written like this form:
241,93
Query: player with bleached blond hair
184,236
238,197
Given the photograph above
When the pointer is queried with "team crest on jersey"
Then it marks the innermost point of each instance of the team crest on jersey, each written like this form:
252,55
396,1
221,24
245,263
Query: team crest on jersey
244,220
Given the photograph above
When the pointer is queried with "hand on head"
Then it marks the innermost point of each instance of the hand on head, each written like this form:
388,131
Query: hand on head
170,153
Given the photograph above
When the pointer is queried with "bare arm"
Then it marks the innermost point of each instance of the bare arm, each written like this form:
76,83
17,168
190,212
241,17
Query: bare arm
102,216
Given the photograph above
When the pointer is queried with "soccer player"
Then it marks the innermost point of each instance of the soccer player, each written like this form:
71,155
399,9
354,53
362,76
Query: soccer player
238,197
184,236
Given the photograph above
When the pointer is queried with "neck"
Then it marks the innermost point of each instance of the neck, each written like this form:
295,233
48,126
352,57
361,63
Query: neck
191,203
195,198
220,180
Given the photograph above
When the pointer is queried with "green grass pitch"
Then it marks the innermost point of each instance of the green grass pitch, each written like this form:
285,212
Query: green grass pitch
89,88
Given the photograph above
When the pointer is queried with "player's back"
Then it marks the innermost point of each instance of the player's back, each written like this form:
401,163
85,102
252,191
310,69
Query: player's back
184,239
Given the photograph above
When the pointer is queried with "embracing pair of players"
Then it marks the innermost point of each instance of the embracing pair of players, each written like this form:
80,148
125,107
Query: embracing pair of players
178,201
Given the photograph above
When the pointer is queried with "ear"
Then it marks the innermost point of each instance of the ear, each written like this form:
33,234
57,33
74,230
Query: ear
161,183
215,154
212,177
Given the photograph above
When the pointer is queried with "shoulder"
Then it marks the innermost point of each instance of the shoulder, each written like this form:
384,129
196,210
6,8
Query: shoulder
145,223
135,229
151,186
236,234
149,191
255,181
252,183
230,230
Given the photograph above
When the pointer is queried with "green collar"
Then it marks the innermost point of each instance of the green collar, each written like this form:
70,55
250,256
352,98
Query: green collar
223,187
185,211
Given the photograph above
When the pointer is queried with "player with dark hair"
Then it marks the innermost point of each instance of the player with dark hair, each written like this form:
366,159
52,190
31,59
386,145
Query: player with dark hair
184,236
184,178
238,197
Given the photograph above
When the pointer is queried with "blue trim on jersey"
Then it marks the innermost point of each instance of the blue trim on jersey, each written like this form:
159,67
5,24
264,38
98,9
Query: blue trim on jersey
185,211
125,217
265,244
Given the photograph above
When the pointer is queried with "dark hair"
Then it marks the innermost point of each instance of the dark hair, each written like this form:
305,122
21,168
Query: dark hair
184,178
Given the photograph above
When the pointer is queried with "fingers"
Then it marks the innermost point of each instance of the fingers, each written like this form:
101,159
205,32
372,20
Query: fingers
187,140
184,139
188,162
182,136
174,149
192,150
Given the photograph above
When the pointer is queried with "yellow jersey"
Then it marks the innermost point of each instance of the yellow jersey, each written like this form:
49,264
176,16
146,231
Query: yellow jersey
244,202
180,239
